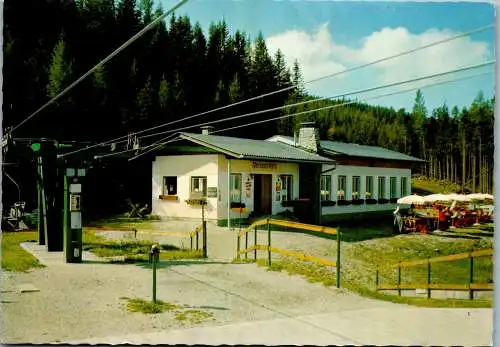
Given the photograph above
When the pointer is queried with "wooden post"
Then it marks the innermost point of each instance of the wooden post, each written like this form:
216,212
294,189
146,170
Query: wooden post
204,228
197,233
238,246
338,258
471,275
377,278
255,244
246,244
268,243
399,278
191,240
428,278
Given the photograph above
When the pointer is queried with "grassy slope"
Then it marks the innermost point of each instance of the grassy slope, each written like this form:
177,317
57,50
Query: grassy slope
14,257
365,248
424,186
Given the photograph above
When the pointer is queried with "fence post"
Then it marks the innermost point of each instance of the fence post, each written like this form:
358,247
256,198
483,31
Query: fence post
197,233
268,243
191,240
399,278
338,258
471,275
428,278
255,244
377,278
238,245
204,226
246,244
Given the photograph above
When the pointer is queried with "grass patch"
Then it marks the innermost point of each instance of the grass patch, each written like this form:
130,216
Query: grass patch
193,316
424,185
14,257
133,251
361,256
149,307
182,313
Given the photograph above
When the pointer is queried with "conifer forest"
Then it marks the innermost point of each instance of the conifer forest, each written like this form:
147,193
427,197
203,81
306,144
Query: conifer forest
176,70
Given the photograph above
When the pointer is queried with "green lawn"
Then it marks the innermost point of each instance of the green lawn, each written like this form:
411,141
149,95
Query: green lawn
426,186
14,257
366,248
133,250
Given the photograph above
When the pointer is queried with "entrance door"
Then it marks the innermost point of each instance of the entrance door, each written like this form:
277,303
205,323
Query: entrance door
263,194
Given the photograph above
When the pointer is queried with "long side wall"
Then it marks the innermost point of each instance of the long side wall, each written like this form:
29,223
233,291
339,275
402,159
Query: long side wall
349,172
184,167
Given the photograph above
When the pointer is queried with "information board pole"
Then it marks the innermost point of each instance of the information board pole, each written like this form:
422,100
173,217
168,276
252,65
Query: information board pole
73,215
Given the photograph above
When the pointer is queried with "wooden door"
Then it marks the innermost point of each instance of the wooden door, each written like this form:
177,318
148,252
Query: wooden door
266,194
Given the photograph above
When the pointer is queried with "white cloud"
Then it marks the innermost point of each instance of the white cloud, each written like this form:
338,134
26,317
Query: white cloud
319,54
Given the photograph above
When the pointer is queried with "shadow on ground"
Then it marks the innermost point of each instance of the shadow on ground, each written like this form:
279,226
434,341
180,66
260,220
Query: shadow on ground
162,264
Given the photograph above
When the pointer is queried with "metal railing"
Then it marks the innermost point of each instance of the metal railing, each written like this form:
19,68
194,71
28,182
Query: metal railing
271,249
471,286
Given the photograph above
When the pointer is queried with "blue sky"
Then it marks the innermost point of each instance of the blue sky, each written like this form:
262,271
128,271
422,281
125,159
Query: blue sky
327,37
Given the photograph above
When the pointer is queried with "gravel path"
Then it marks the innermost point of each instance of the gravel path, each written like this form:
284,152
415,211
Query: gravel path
81,302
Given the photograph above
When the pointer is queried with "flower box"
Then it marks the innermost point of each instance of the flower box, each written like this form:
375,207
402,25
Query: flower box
343,202
326,203
196,202
238,205
371,201
394,200
383,201
168,197
358,201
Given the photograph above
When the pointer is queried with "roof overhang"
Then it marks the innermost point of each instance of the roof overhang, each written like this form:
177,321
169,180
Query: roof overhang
241,156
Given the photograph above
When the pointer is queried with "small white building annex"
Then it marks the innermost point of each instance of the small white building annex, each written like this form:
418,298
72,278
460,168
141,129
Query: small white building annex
316,180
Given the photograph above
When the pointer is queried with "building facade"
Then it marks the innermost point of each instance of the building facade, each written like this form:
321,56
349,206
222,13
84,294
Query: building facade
315,180
238,178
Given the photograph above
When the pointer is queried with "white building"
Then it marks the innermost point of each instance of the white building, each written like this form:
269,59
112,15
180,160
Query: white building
272,176
231,172
364,179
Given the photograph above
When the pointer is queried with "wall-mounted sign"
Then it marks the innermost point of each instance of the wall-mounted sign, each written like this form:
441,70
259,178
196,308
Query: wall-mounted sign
264,165
211,192
248,187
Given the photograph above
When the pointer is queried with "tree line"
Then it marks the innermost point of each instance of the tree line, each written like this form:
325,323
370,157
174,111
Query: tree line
177,70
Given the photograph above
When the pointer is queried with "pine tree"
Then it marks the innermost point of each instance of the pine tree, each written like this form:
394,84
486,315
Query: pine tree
60,70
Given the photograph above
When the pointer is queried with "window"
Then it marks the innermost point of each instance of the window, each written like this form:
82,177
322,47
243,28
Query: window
356,187
326,187
286,187
235,187
342,180
393,187
369,187
404,186
381,187
169,185
199,185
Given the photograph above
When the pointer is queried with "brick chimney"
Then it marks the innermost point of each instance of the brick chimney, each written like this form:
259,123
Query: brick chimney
308,137
207,129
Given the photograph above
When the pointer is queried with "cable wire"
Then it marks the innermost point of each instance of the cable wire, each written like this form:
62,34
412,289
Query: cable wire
451,38
325,77
128,150
466,68
355,101
339,105
102,62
